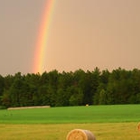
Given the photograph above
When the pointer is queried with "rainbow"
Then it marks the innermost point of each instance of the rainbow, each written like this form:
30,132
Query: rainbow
42,39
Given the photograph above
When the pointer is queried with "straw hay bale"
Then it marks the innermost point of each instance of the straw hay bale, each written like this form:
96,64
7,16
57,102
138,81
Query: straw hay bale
79,134
138,127
29,107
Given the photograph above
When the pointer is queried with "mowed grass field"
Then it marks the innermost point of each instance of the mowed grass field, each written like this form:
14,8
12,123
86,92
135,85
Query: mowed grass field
108,122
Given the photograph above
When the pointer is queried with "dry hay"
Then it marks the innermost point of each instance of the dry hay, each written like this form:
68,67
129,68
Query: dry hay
79,134
138,127
29,107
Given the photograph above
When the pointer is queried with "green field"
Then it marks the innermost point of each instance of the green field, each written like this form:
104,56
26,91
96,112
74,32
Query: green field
108,122
83,114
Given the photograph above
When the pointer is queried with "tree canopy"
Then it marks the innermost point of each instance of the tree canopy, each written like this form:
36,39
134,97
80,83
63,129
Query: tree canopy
71,88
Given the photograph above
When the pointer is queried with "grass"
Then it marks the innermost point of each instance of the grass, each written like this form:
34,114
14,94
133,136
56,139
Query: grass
83,114
116,122
102,131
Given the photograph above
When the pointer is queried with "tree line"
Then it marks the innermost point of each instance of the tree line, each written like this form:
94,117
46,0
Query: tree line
53,88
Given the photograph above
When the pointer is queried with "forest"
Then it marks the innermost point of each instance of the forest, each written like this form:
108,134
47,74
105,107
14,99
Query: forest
80,87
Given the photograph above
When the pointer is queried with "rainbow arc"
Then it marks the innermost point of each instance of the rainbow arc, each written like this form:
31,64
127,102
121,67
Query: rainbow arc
42,38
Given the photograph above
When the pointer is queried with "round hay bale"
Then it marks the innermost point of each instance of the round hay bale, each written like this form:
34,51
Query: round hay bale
139,127
79,134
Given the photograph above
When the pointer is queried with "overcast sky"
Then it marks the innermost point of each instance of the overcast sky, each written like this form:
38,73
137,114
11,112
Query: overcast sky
83,34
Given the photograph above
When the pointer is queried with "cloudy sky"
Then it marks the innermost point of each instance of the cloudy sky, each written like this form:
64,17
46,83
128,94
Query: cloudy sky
83,34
